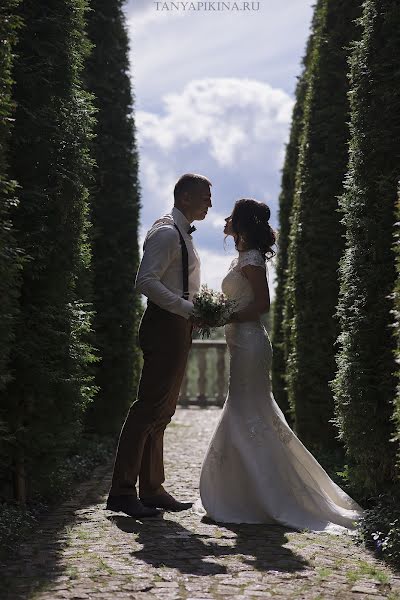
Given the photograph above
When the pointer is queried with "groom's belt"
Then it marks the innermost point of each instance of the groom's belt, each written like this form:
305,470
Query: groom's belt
152,306
155,306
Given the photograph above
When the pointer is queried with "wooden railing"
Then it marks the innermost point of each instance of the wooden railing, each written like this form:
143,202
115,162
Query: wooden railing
206,378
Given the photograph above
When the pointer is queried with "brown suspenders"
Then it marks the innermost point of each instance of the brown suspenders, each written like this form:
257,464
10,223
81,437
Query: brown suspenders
185,266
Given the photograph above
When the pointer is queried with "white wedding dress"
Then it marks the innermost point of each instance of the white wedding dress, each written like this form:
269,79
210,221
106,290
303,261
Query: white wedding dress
256,470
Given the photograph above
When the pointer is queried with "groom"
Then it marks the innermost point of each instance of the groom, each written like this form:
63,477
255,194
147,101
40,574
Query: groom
169,275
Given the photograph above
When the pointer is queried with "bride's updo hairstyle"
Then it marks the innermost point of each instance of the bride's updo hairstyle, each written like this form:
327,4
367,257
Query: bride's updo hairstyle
250,221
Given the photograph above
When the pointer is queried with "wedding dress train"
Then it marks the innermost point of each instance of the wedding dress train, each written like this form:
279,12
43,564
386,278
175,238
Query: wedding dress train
256,470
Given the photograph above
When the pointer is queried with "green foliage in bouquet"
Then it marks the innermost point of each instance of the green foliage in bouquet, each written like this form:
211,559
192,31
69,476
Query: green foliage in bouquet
214,308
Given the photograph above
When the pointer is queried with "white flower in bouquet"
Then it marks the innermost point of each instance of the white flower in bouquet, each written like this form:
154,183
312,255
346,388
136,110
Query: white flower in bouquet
213,307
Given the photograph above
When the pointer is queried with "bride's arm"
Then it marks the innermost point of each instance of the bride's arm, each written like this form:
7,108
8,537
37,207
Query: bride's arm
261,303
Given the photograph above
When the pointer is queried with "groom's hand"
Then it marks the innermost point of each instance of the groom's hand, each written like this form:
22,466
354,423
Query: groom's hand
196,322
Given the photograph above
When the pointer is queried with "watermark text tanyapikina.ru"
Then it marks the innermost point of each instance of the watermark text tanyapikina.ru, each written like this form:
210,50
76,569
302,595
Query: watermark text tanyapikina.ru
207,6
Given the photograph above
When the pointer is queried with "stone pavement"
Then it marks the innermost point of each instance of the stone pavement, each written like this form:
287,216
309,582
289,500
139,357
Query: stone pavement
82,552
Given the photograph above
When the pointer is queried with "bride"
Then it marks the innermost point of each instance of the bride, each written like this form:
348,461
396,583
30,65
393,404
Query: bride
256,470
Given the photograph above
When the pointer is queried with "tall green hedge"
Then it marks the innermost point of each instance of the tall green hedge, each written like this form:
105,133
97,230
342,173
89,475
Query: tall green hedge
365,384
49,157
289,283
10,261
115,214
316,236
280,349
396,325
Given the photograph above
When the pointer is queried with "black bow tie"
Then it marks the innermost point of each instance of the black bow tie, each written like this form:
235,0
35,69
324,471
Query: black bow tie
191,229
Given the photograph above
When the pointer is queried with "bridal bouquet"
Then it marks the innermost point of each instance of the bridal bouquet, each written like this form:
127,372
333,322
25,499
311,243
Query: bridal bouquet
213,307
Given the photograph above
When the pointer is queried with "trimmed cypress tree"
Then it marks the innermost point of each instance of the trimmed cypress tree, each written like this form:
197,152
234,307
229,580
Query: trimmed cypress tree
280,350
365,384
316,236
396,312
114,214
50,160
10,261
288,291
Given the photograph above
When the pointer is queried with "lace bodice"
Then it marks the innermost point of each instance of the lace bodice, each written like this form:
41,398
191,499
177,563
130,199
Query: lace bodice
235,285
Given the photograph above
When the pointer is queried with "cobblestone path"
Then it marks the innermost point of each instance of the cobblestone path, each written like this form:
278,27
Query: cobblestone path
82,552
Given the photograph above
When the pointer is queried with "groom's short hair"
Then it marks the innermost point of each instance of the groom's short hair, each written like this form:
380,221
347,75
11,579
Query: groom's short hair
189,182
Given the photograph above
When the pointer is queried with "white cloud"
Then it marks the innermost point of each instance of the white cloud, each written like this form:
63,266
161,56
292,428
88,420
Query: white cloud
139,22
216,219
212,95
214,266
158,183
169,49
228,115
229,129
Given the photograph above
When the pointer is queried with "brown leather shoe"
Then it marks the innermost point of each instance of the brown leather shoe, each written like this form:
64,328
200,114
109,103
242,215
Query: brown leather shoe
165,501
131,506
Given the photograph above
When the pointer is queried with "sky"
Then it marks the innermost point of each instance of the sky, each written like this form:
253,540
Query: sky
213,86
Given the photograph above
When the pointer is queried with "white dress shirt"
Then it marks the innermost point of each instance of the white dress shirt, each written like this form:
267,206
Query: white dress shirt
159,276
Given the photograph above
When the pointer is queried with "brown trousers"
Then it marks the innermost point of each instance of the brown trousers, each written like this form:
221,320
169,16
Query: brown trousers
165,339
